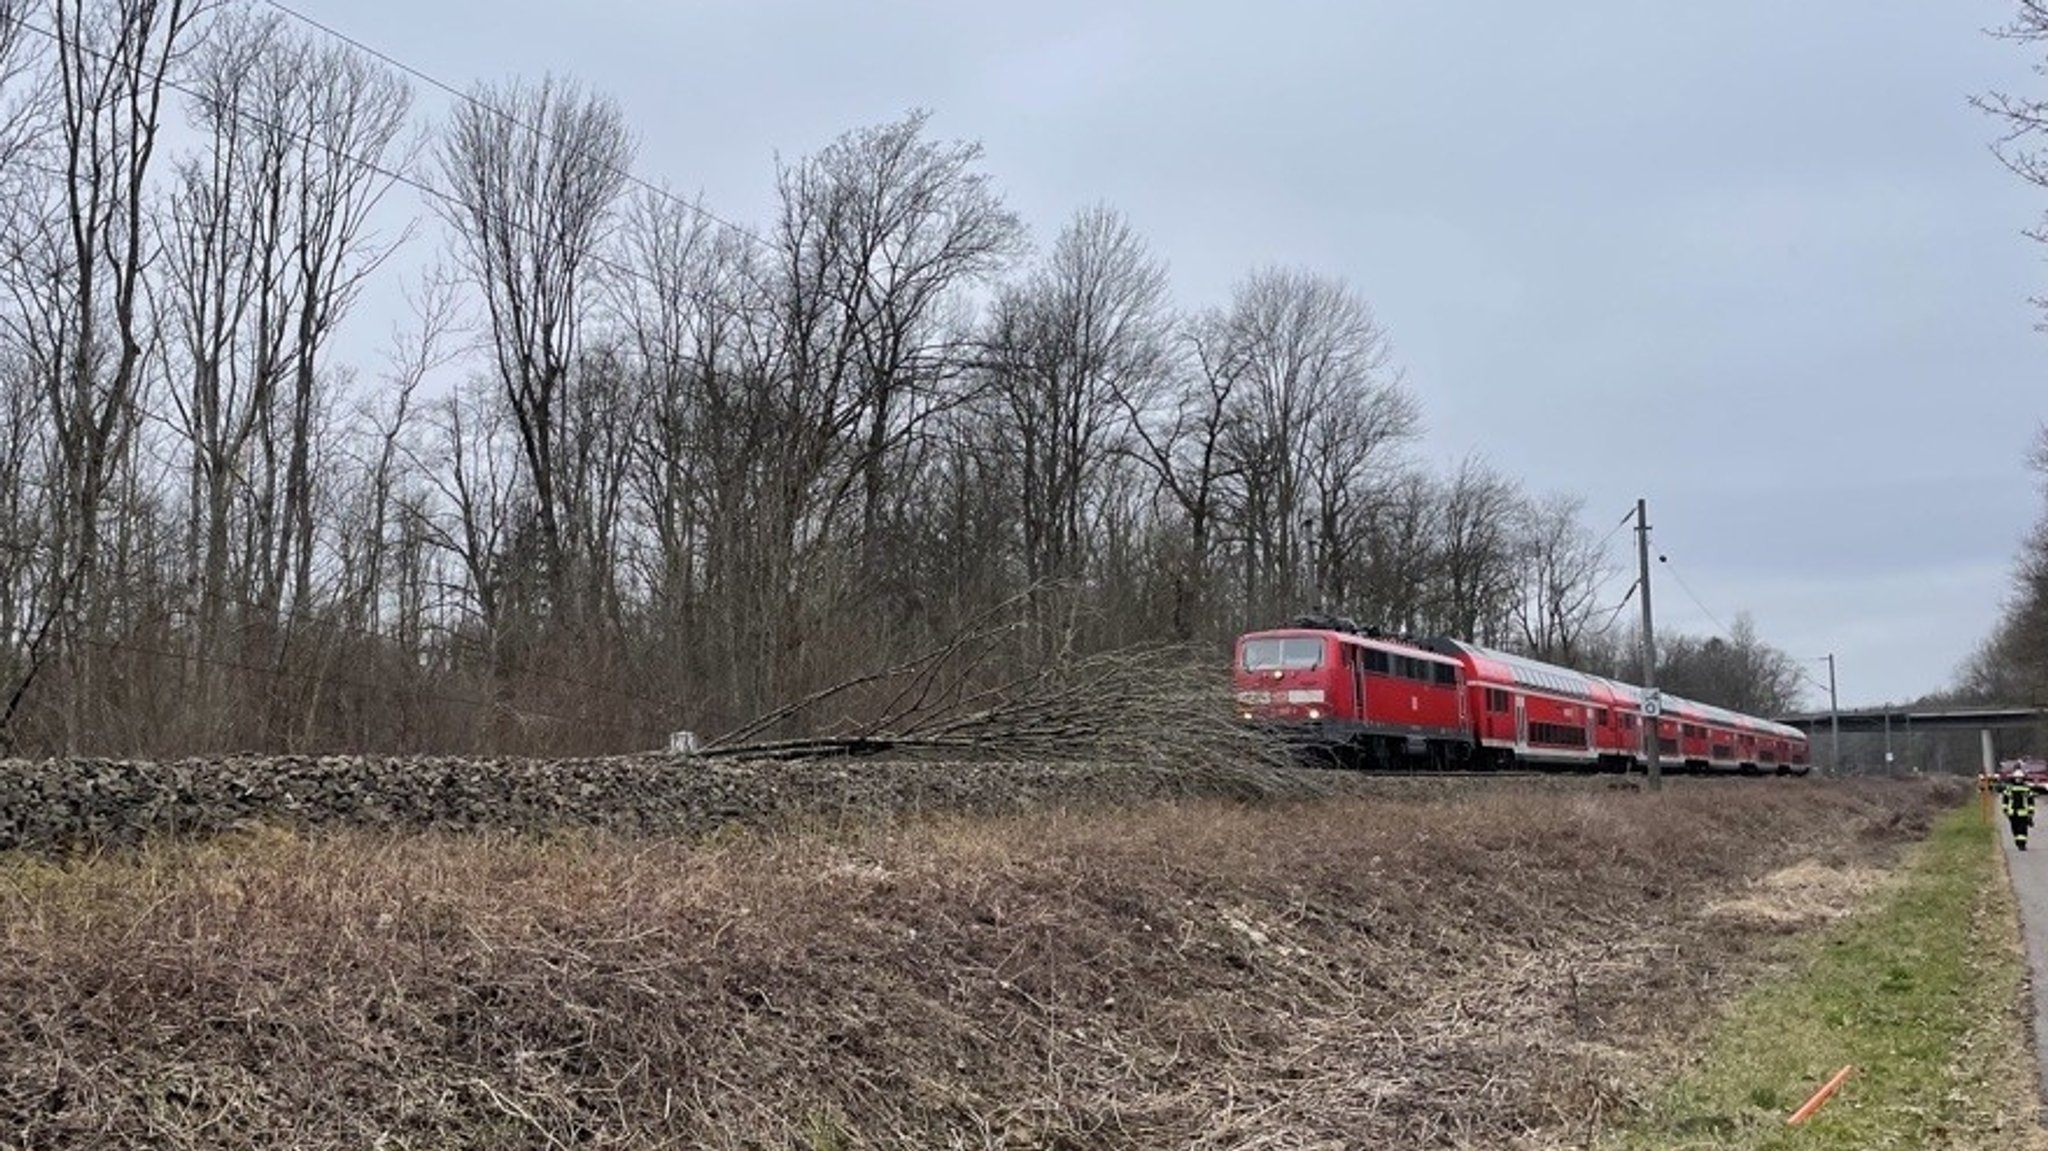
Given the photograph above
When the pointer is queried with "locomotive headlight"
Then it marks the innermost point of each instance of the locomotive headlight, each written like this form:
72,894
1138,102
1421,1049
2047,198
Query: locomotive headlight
1315,713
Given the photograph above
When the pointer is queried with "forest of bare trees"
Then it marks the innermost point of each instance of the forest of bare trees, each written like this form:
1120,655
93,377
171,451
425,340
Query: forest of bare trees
2011,665
632,468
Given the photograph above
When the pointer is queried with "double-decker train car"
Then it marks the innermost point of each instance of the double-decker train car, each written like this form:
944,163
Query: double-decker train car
1699,737
1530,711
1365,699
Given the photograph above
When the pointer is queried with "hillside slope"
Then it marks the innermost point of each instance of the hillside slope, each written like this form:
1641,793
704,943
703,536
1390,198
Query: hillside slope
1457,966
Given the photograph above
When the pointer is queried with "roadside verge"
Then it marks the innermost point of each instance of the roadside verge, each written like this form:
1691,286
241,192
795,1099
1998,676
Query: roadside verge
1922,994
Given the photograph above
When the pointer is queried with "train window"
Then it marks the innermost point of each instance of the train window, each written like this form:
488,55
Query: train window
1557,734
1446,675
1600,716
1376,661
1496,699
1292,653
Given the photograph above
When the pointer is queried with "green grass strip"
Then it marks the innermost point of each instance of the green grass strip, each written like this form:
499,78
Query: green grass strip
1918,993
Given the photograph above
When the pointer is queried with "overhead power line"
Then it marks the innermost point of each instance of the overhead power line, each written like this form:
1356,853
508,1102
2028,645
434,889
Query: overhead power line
1626,597
1687,589
485,106
1708,612
1799,666
365,163
1626,518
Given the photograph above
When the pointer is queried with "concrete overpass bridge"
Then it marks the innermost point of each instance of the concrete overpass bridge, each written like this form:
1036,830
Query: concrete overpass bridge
1899,723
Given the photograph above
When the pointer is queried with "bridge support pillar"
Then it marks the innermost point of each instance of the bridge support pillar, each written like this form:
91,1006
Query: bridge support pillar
1990,752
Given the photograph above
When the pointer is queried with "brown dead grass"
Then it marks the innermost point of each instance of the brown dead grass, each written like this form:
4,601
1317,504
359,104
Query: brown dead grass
1995,1068
1805,894
1480,969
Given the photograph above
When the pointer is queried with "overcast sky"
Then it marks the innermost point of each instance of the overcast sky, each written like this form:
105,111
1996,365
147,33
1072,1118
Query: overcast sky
1752,261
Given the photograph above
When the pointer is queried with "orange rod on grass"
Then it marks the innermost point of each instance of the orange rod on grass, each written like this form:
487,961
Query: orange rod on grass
1812,1105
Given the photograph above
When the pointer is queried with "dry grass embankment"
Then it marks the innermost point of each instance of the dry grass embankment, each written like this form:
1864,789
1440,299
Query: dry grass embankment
1492,968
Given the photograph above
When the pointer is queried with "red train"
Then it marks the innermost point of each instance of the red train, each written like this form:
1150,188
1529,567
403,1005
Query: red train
1371,701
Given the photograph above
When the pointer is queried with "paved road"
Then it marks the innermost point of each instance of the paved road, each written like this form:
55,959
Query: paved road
2030,883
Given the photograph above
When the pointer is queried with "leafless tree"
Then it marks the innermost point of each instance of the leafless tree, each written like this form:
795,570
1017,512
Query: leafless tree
352,112
1071,352
2001,669
965,502
384,540
268,248
1397,559
679,319
724,458
2011,665
113,63
1310,365
77,270
1180,438
464,451
225,295
1477,570
878,237
267,244
13,30
532,175
1564,570
1349,469
602,415
1739,672
24,512
2023,117
21,109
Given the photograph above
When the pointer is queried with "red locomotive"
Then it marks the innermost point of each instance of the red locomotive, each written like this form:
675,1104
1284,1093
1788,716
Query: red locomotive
1368,700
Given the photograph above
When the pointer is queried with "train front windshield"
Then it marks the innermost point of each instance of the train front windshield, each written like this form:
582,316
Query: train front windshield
1296,653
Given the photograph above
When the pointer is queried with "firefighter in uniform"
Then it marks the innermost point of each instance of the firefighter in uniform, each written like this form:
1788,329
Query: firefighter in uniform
2018,804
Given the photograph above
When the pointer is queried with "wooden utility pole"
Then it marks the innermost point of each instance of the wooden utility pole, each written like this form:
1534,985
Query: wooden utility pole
1653,753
